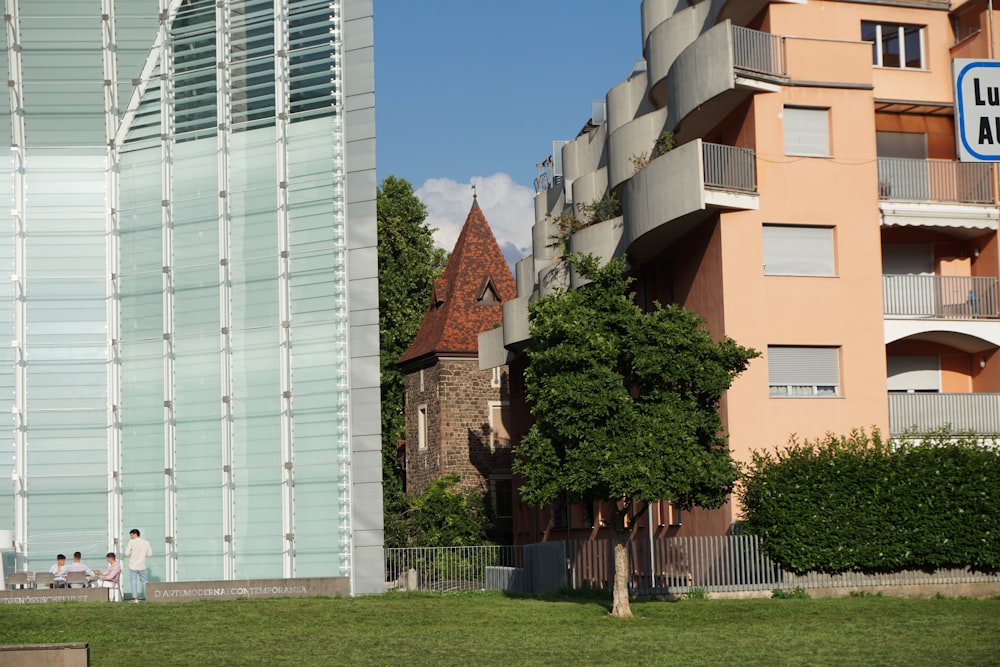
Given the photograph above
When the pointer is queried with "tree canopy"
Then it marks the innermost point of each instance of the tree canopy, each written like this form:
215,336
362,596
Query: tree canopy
408,263
625,404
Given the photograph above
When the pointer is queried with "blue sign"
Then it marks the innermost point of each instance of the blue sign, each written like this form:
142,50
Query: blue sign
977,100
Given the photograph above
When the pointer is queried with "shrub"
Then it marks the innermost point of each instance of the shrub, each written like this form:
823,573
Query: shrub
856,502
797,593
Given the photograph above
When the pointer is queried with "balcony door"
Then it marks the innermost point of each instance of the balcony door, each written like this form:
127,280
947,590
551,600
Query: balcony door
914,373
908,175
908,279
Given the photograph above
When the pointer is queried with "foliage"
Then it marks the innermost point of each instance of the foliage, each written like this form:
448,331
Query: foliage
797,593
696,594
664,143
494,628
625,401
440,517
408,263
605,208
856,502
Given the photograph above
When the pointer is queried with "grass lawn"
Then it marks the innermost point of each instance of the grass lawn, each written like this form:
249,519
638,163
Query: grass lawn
496,629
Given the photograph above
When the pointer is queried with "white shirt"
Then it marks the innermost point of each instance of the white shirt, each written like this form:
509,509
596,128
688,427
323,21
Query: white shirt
138,550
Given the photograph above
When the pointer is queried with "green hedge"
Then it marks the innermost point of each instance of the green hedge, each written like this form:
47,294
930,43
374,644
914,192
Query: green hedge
857,503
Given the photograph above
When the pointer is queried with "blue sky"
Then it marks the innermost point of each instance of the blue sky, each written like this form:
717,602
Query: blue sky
475,92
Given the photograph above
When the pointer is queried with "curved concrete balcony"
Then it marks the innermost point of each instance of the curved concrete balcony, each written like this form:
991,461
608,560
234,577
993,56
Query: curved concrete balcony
515,323
585,153
713,75
677,191
666,40
624,101
589,188
492,353
741,12
603,240
631,146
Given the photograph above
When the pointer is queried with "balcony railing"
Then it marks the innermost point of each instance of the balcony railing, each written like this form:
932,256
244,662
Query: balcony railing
905,179
729,167
957,413
940,297
758,52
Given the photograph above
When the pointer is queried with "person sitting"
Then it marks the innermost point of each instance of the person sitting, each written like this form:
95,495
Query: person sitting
59,571
109,577
79,566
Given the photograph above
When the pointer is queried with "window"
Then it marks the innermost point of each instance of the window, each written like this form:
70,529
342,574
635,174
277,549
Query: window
913,373
807,131
502,492
422,427
803,371
795,250
499,424
896,45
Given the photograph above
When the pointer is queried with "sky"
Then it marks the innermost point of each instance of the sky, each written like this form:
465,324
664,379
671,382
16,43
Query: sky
473,92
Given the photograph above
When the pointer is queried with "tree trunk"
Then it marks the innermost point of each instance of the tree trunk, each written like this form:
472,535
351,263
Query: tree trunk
620,605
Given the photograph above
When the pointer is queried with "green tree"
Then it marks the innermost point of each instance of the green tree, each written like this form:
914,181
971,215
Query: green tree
440,517
625,405
408,263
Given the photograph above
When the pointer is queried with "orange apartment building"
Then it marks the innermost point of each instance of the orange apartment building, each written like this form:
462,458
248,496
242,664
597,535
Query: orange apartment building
812,206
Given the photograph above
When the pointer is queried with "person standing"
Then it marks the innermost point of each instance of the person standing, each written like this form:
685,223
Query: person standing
137,550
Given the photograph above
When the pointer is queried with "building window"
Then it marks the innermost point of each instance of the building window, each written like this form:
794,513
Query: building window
798,250
502,495
807,131
896,45
497,374
913,373
422,427
499,424
797,371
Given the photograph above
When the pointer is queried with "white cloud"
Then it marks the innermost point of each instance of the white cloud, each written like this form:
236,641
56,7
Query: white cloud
508,207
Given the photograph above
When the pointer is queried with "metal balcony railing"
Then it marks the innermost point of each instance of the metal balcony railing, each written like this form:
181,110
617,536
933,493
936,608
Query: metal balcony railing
729,167
940,297
905,179
957,413
758,52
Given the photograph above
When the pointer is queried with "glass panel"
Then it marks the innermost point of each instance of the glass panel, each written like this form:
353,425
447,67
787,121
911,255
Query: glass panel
891,45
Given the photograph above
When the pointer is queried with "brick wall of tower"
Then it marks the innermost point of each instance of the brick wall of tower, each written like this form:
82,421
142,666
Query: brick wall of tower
459,439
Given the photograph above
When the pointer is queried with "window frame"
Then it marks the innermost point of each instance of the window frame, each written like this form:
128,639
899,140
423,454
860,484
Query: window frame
815,237
796,133
422,427
879,41
791,373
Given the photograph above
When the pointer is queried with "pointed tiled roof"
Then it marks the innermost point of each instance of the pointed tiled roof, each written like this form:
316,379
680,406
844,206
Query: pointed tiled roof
466,300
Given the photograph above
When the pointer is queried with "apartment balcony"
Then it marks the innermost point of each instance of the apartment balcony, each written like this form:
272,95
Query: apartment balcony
955,197
714,74
958,311
956,413
940,297
677,191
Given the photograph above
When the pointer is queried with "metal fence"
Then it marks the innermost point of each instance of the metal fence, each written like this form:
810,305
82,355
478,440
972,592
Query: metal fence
449,568
941,297
759,52
729,167
959,413
725,563
905,179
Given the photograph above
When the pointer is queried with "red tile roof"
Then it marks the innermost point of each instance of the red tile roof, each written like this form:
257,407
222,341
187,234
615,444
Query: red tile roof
462,306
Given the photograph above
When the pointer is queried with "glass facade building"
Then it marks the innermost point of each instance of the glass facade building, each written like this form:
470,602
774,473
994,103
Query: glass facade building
192,260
